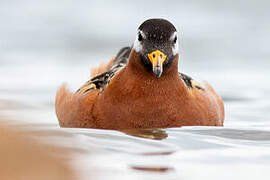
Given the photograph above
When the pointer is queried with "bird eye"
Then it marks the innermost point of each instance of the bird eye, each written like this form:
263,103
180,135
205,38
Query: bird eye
140,37
175,39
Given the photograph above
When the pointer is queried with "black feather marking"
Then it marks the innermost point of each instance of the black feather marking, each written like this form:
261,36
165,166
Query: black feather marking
100,81
188,81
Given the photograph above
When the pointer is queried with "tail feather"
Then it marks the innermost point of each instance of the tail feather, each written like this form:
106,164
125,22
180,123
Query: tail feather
64,101
219,101
71,108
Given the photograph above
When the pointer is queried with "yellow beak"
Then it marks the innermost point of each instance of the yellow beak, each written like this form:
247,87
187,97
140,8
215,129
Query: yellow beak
157,59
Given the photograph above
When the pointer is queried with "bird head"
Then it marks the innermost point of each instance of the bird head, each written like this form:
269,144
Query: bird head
157,45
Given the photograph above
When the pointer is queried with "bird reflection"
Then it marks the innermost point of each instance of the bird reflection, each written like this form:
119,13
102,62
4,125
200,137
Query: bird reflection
152,169
155,134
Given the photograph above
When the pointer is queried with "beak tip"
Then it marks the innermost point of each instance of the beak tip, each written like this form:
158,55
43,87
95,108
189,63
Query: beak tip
157,72
157,76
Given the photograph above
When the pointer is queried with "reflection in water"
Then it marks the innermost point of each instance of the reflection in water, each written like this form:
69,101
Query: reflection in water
159,153
155,134
152,169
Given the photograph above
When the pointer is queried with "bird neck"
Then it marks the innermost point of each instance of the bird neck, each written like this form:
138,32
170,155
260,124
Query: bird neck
135,77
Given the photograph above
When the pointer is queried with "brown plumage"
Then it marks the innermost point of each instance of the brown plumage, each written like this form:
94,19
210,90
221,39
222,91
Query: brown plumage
127,96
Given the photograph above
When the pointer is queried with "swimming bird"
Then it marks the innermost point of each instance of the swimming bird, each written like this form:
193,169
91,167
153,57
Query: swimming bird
141,88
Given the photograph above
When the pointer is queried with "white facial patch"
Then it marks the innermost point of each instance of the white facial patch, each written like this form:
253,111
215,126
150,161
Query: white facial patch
175,46
137,46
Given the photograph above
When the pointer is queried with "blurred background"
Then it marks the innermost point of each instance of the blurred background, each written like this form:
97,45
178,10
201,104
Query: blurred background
222,35
44,44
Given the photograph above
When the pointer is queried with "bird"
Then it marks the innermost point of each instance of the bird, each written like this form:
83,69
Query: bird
141,88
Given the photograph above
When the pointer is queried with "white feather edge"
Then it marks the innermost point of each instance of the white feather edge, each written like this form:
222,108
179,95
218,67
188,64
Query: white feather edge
175,47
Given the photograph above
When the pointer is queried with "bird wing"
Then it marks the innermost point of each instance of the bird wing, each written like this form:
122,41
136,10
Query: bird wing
189,82
99,81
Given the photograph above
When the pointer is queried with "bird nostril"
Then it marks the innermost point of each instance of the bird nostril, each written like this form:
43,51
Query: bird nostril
160,56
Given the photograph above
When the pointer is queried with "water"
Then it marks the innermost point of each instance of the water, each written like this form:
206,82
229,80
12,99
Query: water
225,45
